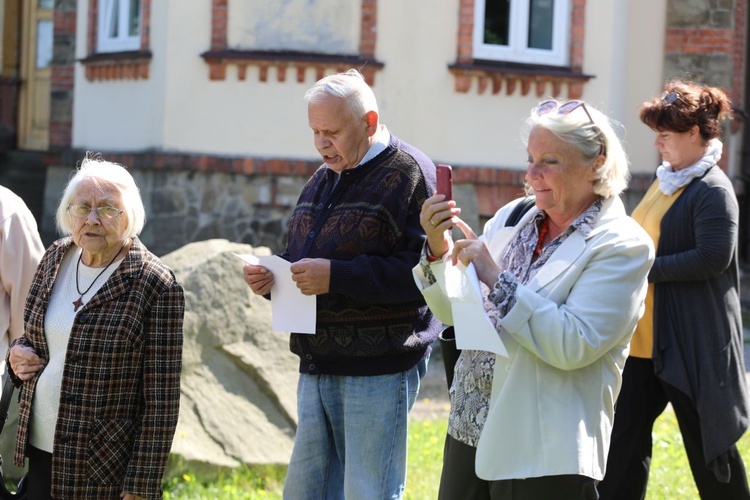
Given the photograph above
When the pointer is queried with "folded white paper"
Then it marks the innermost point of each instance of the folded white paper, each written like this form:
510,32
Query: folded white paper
474,330
291,310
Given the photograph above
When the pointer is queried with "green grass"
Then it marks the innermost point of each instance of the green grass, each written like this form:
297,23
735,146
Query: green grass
253,483
246,483
425,458
670,477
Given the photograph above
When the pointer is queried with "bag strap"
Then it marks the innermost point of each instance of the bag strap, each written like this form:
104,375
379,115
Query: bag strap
519,210
5,400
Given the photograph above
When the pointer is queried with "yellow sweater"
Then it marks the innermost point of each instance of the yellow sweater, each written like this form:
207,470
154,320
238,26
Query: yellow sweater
649,214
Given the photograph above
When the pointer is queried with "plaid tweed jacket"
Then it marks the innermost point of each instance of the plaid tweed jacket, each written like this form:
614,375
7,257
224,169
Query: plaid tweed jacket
120,393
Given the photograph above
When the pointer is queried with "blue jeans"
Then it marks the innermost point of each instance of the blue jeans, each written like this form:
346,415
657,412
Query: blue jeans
351,436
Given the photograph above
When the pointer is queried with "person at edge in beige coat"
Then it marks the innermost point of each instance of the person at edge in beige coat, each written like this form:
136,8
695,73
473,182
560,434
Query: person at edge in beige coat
21,250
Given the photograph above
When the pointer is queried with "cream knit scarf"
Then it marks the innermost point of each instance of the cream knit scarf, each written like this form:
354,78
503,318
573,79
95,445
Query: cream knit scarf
670,181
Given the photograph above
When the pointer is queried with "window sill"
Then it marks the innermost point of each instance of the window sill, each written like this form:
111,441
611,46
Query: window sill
130,65
522,76
219,60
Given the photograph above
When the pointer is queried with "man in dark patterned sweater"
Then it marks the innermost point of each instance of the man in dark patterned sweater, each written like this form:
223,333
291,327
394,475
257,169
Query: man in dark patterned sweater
353,239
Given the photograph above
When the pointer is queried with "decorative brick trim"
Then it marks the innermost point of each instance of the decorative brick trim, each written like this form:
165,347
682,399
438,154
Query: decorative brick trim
130,65
544,79
218,61
221,56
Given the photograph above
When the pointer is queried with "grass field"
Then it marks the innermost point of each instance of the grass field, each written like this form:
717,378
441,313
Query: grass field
670,474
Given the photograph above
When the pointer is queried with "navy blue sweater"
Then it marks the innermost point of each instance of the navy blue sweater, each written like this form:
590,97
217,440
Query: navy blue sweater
374,320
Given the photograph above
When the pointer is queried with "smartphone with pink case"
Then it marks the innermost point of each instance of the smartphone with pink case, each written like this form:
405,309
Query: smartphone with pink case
445,181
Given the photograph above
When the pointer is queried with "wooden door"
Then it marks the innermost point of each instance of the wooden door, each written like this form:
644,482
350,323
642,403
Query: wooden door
36,62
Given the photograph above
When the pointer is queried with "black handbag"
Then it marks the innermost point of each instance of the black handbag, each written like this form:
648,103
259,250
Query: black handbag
5,494
447,337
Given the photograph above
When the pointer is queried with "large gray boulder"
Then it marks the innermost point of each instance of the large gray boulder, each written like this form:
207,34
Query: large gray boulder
239,379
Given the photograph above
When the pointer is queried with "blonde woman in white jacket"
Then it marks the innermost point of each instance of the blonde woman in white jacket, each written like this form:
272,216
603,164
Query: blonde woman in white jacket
564,289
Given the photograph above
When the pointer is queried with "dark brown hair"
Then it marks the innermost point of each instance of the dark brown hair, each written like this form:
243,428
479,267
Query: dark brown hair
686,104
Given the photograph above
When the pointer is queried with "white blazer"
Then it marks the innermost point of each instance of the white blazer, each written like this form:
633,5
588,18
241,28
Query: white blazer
567,337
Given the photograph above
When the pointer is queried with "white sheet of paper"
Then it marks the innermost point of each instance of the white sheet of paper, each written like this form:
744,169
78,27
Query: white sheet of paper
291,310
474,330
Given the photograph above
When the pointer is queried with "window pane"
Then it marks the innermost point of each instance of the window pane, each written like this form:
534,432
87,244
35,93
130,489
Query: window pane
46,4
496,22
44,31
541,17
114,19
134,21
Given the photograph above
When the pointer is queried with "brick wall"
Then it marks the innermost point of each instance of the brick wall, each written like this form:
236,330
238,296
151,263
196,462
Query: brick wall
62,81
706,43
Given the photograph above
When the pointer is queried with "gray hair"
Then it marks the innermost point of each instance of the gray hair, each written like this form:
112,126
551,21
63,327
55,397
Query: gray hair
591,140
351,86
94,167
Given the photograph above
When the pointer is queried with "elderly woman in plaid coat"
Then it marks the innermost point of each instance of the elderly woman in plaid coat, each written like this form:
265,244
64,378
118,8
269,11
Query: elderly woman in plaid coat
100,359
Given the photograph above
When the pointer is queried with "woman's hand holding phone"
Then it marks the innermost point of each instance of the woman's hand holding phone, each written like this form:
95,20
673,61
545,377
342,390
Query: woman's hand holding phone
445,181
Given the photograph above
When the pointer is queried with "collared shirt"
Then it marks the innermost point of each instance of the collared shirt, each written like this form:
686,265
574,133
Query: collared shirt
472,384
380,142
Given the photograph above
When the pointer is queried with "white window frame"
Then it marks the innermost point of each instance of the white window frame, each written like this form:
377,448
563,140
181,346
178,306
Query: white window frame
517,50
122,42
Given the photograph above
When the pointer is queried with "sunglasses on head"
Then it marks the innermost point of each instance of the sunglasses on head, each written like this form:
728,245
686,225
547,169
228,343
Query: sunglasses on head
670,97
567,108
562,109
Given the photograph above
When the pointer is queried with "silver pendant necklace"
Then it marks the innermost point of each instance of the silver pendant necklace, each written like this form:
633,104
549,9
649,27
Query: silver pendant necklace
78,303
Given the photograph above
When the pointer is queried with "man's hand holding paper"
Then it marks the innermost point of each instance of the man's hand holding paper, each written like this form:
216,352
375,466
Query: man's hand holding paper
292,310
312,276
259,278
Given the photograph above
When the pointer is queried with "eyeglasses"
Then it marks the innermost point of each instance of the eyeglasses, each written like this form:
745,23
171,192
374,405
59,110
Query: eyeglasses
106,212
670,97
562,109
